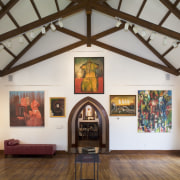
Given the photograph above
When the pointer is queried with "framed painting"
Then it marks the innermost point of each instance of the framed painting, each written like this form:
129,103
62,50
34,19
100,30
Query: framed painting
57,106
154,111
26,108
122,105
89,75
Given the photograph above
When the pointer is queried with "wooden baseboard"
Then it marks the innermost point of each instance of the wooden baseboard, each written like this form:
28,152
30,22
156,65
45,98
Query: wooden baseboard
145,152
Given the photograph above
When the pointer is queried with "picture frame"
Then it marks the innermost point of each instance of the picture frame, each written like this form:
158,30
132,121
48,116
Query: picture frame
88,75
57,106
122,105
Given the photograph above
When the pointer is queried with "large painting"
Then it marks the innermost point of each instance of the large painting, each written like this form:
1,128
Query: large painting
57,107
122,105
26,108
154,111
88,75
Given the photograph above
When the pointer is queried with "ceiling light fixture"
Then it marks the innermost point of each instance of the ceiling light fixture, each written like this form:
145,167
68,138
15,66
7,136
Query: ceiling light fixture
165,40
53,27
126,26
60,23
143,33
43,30
135,30
118,23
175,44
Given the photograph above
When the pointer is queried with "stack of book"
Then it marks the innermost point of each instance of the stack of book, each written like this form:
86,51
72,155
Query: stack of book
88,150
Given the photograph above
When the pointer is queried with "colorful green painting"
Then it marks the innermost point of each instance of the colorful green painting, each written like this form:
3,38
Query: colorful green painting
154,111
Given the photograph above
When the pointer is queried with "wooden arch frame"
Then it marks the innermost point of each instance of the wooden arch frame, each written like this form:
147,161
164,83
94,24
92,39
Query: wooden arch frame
72,122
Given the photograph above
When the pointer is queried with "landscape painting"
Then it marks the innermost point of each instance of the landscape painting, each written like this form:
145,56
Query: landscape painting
89,75
122,105
154,111
26,108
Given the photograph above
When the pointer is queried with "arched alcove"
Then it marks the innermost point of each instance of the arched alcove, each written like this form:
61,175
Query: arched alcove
103,124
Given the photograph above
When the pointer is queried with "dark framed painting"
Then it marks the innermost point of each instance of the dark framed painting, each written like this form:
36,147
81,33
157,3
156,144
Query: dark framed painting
154,111
122,105
89,75
26,108
57,106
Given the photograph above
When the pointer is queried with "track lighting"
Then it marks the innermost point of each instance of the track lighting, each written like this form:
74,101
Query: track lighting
60,23
43,30
53,27
135,30
126,26
118,23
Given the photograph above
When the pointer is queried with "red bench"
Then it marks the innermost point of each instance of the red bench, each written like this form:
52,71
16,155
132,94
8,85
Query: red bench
13,147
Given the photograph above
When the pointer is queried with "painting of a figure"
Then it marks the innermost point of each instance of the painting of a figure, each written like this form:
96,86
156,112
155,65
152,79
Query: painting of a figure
26,108
88,75
154,111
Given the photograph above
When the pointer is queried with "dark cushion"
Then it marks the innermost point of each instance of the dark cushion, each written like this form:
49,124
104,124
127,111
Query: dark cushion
13,142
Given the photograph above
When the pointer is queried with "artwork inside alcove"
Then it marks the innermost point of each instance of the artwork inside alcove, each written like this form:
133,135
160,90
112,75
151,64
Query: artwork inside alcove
90,115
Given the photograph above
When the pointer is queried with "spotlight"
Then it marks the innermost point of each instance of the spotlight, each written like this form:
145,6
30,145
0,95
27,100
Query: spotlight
135,30
43,30
118,23
60,23
175,44
32,34
53,27
143,33
126,26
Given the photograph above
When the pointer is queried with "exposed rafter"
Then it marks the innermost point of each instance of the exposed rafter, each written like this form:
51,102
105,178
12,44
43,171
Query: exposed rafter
141,8
7,7
119,5
57,5
36,9
171,7
41,22
135,20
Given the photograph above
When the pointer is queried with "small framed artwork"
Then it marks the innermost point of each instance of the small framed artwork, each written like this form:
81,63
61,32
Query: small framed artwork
57,106
89,75
122,105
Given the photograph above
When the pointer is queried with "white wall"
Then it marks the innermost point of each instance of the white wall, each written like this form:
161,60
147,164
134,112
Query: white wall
122,76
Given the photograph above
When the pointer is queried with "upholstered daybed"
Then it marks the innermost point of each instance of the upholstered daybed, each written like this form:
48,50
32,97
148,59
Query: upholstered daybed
13,147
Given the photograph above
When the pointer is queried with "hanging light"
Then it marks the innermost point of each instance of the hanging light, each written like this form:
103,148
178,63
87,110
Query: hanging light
60,23
43,30
126,26
53,27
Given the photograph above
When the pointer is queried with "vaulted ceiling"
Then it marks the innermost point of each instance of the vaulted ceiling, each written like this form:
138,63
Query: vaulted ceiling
154,23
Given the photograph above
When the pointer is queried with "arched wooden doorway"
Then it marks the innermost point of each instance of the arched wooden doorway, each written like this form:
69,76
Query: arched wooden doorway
103,124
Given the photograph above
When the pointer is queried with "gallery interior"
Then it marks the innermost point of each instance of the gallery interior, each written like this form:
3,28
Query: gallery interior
89,78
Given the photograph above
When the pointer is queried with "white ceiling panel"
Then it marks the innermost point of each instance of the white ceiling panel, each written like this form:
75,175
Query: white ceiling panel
178,6
45,7
153,11
173,57
6,24
173,23
23,12
131,7
113,3
63,4
5,1
5,59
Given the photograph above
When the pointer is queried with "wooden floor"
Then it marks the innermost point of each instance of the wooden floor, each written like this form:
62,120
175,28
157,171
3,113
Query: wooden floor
111,167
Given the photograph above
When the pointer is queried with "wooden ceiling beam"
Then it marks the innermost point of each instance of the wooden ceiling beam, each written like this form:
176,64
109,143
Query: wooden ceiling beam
88,16
134,57
41,22
7,7
135,20
168,50
119,5
171,7
42,58
153,50
36,9
141,8
57,5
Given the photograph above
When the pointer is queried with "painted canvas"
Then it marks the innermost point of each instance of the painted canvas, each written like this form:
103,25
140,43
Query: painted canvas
122,105
26,108
57,107
154,110
89,75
